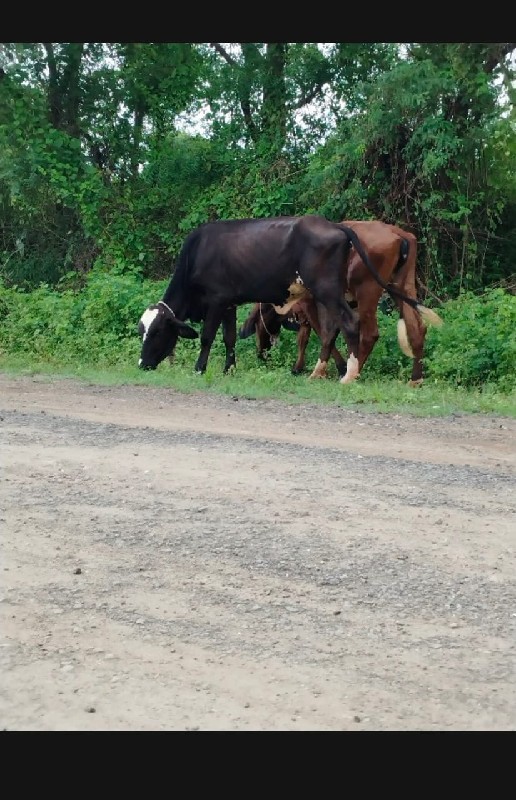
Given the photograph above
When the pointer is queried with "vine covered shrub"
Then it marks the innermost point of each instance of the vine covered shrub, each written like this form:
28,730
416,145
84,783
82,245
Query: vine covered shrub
477,343
98,326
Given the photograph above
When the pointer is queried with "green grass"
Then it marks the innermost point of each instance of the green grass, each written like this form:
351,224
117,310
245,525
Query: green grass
254,380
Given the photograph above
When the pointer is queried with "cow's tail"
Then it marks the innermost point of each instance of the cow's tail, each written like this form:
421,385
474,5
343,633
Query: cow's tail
248,327
429,316
403,339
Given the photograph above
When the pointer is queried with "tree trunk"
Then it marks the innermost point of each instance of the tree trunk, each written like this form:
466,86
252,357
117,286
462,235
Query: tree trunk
71,88
274,108
64,96
138,118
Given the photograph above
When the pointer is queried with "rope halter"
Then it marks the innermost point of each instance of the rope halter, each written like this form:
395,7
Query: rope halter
271,337
162,303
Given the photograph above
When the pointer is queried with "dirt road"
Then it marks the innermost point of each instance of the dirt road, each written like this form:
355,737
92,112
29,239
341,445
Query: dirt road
205,563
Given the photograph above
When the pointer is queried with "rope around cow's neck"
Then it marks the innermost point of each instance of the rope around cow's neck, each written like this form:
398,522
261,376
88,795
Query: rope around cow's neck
162,303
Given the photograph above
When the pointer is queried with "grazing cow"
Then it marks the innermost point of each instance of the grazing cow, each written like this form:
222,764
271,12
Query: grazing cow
226,263
393,252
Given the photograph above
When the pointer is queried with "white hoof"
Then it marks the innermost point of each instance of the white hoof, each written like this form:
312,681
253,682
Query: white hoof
351,370
319,369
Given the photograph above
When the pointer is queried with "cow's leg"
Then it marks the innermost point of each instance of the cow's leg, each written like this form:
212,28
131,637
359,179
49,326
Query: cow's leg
263,341
328,320
411,336
368,296
268,328
340,362
255,322
303,336
350,328
209,329
310,312
229,333
321,371
327,284
327,334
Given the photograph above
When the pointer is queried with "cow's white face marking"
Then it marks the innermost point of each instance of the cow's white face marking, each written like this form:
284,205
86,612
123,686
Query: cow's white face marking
147,318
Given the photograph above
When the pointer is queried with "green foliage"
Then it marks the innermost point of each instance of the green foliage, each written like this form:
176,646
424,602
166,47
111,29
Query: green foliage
71,140
97,325
51,196
95,171
477,343
161,76
432,153
253,189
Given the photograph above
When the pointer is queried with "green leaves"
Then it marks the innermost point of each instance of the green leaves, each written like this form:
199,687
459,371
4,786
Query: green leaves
97,324
477,343
101,159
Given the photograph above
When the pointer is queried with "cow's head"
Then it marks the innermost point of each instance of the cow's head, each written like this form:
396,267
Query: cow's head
160,330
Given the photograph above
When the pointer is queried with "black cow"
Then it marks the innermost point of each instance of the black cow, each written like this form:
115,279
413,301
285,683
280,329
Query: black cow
276,260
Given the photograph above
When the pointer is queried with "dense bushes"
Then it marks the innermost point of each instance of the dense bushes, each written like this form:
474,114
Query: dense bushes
477,344
97,325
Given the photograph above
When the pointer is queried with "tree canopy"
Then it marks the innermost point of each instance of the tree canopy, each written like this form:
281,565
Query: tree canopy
111,152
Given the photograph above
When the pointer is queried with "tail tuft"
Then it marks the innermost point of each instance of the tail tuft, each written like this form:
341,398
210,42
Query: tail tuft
429,316
403,339
247,329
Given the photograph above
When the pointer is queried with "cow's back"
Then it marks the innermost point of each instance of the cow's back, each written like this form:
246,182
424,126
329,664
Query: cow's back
235,247
258,258
382,242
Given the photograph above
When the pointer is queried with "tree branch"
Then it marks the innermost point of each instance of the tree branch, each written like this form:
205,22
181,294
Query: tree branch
70,86
429,291
307,98
225,55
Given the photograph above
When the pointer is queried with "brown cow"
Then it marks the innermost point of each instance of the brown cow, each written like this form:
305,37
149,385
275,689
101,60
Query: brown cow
393,252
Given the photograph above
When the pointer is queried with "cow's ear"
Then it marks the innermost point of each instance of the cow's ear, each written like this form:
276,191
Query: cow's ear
186,331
